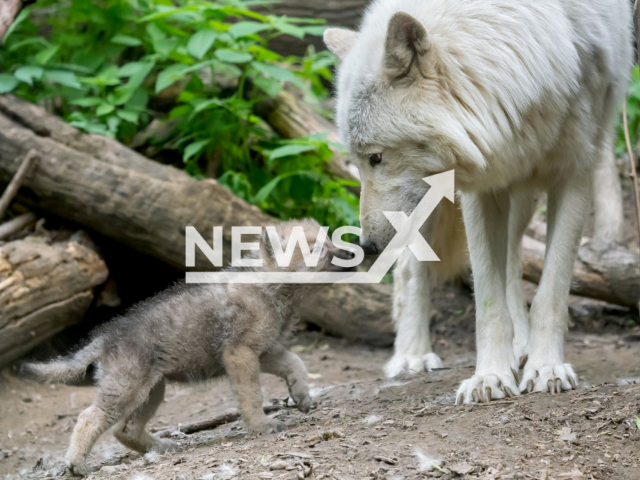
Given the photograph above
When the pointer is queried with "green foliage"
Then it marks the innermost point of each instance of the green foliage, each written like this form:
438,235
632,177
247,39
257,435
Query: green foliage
111,67
633,114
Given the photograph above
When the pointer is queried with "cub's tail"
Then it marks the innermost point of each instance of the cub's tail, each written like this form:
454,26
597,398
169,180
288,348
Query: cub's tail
63,370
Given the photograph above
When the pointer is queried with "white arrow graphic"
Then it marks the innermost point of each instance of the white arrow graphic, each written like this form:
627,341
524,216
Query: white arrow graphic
408,235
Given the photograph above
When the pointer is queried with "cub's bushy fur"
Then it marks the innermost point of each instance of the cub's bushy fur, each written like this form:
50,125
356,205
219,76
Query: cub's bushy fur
190,333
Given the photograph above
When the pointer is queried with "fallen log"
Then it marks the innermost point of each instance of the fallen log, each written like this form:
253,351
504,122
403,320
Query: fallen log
610,274
102,185
43,289
337,13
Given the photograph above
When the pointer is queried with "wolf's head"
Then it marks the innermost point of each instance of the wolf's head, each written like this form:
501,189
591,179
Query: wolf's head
297,238
396,116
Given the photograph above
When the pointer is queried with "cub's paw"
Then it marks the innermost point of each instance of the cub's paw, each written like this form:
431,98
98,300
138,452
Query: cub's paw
267,426
303,402
78,469
552,378
484,388
412,364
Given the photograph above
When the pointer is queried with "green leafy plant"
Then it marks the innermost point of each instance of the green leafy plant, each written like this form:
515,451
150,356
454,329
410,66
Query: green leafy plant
633,114
197,67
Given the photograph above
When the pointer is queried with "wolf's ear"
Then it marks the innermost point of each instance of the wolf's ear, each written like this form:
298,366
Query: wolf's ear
339,41
407,48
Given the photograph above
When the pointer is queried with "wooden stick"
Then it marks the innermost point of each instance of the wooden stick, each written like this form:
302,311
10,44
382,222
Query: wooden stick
16,224
210,424
16,181
632,163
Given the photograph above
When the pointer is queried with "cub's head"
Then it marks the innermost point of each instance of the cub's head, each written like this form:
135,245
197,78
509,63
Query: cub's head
284,247
395,116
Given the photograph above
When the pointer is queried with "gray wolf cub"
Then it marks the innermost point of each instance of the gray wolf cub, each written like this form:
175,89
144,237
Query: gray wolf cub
191,333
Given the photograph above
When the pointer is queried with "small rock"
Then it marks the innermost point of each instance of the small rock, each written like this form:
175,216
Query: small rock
278,465
461,468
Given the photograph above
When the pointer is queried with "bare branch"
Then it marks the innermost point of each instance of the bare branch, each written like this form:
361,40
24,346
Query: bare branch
16,182
9,10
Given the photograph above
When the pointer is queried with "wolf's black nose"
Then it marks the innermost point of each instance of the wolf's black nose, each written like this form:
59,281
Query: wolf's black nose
350,255
369,248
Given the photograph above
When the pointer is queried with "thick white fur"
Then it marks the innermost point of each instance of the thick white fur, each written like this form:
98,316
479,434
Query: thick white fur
516,96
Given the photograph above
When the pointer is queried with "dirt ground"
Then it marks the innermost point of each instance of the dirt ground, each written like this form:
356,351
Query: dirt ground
365,427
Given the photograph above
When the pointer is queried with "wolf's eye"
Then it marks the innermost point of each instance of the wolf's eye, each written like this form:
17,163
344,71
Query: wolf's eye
375,159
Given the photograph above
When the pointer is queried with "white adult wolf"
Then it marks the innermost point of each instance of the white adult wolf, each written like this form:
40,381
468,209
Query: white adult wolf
516,96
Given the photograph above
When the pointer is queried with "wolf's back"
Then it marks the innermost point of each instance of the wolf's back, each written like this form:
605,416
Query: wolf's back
63,370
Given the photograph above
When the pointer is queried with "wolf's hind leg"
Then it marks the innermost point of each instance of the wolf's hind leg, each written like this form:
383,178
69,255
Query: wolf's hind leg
131,432
243,367
412,317
523,205
288,366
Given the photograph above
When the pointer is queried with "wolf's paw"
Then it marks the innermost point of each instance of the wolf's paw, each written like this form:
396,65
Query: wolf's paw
164,445
548,378
412,364
484,388
267,426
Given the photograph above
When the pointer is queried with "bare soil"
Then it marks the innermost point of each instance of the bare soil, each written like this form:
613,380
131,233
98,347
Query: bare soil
365,427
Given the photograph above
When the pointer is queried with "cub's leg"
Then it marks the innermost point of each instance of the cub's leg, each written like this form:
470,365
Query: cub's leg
288,366
412,317
132,434
523,205
568,204
486,218
243,367
92,423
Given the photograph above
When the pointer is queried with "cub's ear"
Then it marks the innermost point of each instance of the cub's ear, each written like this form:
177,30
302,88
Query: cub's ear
339,41
407,48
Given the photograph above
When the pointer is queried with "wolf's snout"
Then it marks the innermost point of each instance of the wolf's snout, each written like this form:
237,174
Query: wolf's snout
369,248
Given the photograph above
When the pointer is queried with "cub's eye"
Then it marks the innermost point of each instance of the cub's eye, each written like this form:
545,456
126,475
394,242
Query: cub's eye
375,159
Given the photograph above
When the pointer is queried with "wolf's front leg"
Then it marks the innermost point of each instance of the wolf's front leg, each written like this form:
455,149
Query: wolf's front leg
545,370
243,367
412,350
288,366
486,218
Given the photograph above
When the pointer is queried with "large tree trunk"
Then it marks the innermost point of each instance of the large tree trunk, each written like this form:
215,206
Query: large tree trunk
43,289
102,185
